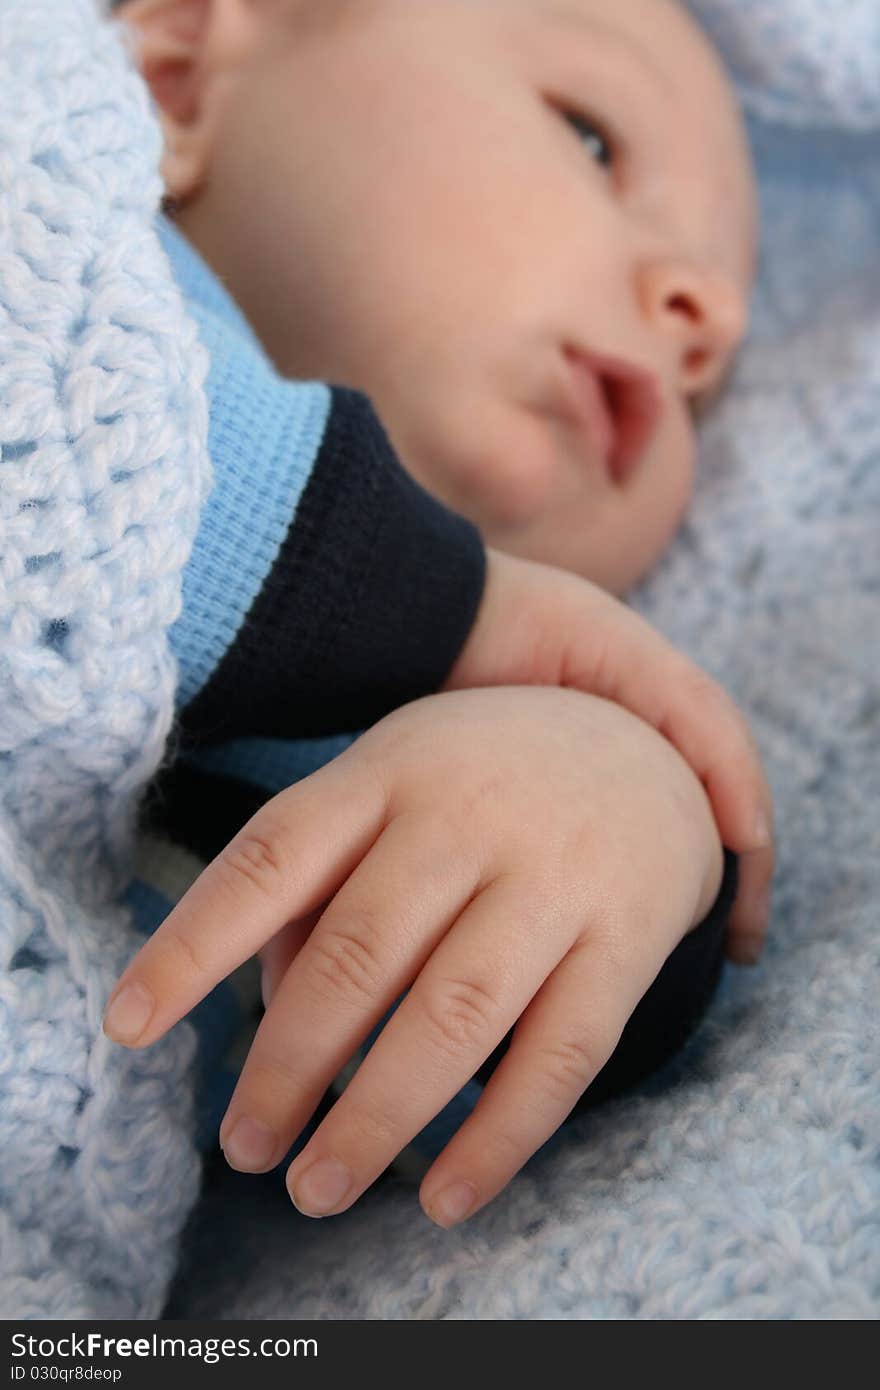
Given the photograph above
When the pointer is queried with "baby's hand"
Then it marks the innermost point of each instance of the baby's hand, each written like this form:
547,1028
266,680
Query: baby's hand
517,856
538,625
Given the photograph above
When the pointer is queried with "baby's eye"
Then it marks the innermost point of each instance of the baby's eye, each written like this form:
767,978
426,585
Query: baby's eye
596,141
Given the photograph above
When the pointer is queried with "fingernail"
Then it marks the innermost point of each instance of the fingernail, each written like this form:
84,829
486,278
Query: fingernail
126,1016
763,832
249,1145
321,1188
452,1204
745,950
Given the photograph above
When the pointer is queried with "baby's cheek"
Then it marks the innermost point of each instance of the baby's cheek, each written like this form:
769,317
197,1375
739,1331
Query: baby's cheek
502,465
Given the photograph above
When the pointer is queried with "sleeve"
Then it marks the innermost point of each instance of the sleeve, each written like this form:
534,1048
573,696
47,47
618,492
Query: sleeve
324,587
365,606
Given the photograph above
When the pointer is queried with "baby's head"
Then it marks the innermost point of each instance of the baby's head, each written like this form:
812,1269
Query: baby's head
525,228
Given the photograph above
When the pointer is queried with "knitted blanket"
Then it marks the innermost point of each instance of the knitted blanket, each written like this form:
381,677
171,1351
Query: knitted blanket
744,1182
103,468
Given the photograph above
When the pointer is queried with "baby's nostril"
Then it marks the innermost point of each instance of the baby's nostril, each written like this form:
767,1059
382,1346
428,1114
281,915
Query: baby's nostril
681,304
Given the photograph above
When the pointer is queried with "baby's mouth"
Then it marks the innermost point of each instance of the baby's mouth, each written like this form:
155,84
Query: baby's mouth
620,405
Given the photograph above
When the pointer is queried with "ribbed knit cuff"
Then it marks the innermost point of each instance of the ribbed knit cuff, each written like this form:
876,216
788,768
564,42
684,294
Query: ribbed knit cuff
264,435
373,593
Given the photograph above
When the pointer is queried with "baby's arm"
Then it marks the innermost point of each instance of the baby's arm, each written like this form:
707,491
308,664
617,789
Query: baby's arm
378,594
522,858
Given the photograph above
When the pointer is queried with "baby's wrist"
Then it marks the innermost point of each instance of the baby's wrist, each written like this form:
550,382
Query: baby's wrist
519,636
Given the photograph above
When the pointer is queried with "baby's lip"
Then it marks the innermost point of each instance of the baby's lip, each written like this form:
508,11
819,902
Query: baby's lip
620,404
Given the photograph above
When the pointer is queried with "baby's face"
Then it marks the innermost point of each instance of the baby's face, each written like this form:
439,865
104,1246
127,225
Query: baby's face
524,227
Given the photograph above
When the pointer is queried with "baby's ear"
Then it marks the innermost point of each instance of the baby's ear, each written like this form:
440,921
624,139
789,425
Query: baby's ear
187,50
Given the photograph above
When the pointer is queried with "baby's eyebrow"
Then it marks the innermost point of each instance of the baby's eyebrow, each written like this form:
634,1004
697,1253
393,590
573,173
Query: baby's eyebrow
588,27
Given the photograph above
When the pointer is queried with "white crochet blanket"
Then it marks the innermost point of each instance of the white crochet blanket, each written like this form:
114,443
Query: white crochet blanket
747,1188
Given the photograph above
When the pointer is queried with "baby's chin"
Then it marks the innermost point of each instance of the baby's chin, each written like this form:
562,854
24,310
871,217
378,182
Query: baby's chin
610,557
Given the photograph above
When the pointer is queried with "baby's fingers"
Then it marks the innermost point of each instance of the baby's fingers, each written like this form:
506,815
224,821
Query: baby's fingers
700,719
560,1044
750,916
631,664
638,668
289,858
281,950
479,977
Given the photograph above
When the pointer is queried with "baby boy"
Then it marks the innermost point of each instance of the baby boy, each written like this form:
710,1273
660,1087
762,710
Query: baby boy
526,231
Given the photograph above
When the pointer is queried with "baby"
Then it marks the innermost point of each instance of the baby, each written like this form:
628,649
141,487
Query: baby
526,231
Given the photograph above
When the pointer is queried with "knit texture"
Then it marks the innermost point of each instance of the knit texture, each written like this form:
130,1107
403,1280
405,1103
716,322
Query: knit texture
103,469
801,63
750,1186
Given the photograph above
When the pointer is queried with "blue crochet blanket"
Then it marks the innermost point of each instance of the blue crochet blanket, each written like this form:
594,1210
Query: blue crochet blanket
745,1185
103,470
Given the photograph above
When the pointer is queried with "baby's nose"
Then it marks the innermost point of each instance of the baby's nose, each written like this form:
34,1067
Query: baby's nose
701,312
